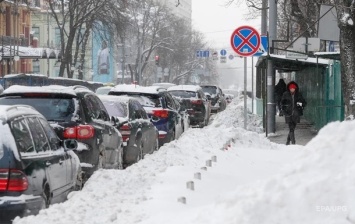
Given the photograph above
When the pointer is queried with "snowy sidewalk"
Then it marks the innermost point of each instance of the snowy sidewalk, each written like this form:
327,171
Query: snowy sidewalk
304,132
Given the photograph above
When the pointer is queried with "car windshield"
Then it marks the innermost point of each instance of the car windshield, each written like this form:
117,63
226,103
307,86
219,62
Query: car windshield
146,99
183,93
209,89
53,109
116,109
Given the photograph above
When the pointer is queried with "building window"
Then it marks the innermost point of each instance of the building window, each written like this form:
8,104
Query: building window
35,66
57,38
35,32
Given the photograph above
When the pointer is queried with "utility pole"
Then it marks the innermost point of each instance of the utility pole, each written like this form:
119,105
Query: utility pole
47,39
123,59
270,128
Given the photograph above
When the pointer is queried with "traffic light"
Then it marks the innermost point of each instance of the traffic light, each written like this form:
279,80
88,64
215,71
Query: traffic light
157,60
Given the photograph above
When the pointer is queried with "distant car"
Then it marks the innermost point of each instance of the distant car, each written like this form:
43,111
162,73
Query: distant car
160,107
193,100
75,112
140,136
103,90
36,167
218,102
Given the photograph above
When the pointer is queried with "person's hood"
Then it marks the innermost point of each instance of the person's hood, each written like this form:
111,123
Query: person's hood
293,82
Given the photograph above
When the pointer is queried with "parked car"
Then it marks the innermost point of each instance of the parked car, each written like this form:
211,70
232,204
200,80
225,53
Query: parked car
218,102
160,107
36,167
193,100
140,136
75,112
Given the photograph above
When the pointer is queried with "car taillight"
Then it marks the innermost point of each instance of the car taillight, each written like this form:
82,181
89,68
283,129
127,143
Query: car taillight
161,113
79,132
125,132
13,180
198,102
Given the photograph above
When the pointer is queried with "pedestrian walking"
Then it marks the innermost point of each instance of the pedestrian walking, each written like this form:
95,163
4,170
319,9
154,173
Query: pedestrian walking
280,88
292,104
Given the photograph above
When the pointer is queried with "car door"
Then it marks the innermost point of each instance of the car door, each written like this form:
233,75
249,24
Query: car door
111,138
71,163
55,161
177,120
138,122
146,127
206,103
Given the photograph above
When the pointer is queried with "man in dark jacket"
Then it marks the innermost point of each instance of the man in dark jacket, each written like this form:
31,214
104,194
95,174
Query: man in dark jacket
292,104
280,88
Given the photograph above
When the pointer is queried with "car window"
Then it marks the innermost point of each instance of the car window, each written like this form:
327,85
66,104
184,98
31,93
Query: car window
60,109
22,135
209,89
170,101
94,109
183,93
116,109
39,136
53,109
136,110
52,136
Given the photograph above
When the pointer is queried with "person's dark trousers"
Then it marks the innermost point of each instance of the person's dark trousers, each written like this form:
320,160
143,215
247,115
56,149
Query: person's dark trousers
291,134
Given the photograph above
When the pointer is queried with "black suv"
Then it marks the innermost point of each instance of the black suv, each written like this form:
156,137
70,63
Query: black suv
193,100
218,102
36,167
74,112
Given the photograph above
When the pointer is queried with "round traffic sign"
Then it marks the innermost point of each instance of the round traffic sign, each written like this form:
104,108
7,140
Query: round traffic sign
223,52
245,41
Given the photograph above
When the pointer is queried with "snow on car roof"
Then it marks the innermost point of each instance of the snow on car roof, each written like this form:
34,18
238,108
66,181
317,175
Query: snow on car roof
164,84
114,98
40,89
137,89
193,88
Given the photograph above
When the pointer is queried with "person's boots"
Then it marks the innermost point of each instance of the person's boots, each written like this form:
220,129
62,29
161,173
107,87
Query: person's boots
292,137
288,139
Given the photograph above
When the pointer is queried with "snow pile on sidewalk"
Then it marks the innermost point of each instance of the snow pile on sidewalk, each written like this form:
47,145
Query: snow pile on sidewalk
319,187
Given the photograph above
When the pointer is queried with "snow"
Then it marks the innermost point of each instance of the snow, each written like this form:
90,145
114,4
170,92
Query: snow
40,89
192,88
245,178
136,89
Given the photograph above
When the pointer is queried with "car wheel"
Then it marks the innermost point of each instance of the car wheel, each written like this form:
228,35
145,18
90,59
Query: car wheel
45,199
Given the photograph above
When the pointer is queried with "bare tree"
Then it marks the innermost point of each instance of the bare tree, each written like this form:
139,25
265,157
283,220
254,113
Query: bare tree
70,17
346,15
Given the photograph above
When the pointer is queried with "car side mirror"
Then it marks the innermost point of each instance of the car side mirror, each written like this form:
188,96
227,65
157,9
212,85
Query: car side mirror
114,120
70,144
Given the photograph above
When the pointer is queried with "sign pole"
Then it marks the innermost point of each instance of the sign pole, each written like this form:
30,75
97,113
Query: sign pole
245,94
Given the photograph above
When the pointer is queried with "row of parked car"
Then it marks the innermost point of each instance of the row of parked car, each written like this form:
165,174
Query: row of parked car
55,137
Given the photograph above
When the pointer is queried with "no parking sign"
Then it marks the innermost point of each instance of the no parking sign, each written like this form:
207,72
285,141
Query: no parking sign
245,41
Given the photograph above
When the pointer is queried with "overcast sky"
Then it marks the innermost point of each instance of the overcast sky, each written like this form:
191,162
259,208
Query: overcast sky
217,22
